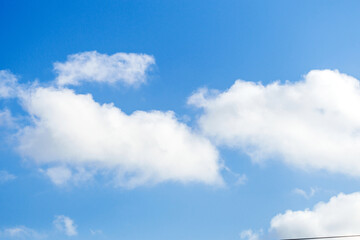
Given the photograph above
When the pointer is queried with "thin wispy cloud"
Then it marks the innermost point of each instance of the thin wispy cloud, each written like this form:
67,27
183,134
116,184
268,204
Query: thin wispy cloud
8,82
249,234
66,225
241,179
21,233
96,232
303,193
6,119
6,176
127,68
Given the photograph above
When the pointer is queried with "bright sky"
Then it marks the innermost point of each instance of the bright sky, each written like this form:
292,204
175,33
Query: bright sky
181,120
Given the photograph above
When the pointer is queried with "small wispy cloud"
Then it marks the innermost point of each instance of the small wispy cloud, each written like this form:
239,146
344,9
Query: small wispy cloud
128,68
58,175
8,84
305,194
241,179
66,225
62,175
249,234
6,119
5,176
95,232
21,232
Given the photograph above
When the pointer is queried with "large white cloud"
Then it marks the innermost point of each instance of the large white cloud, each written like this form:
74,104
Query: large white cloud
339,216
312,124
73,137
128,68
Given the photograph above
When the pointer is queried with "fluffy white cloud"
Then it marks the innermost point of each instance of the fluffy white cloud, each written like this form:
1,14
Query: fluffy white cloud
5,176
339,216
65,225
128,68
71,132
312,124
8,83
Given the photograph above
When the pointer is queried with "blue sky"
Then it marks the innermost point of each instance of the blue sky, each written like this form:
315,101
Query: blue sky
236,154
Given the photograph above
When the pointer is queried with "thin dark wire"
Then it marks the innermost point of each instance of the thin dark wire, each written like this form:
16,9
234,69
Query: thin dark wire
309,238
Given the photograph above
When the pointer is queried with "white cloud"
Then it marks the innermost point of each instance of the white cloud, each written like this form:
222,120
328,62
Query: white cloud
303,193
96,232
249,235
339,216
6,119
128,68
241,179
71,131
8,84
20,232
311,124
65,225
5,176
59,175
